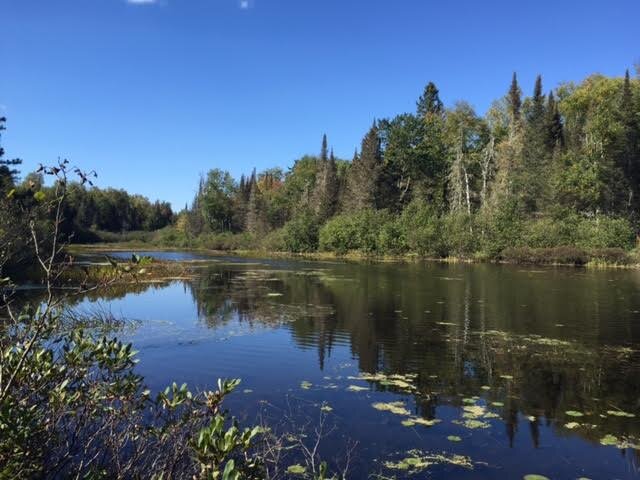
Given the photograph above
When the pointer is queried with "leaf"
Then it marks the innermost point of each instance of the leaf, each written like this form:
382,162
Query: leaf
296,469
574,413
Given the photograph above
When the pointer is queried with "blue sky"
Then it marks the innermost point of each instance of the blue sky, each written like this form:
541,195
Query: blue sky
152,93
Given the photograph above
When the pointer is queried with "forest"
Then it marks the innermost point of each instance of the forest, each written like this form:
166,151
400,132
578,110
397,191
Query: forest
554,175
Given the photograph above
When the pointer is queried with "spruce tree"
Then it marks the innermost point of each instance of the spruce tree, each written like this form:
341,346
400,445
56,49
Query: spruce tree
253,222
554,127
514,99
630,138
8,172
429,103
533,167
323,149
325,194
364,173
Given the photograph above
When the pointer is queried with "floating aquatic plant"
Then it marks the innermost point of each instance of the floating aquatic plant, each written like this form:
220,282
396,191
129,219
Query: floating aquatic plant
574,413
410,422
356,388
397,408
417,461
296,469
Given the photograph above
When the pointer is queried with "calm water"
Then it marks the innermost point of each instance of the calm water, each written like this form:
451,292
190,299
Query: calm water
533,369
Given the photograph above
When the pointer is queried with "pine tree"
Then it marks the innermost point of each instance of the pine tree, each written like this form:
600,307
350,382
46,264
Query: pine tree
8,174
554,127
514,100
323,149
325,194
533,169
429,103
364,174
253,223
630,138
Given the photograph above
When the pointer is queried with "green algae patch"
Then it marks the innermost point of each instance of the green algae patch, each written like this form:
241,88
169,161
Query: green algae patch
305,385
454,438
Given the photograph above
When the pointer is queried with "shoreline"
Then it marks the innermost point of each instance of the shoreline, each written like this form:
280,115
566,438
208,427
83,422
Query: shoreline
350,257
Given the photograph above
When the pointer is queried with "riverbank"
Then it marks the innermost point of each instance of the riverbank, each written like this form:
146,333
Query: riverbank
561,256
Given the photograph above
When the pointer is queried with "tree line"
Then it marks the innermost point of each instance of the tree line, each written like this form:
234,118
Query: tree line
555,168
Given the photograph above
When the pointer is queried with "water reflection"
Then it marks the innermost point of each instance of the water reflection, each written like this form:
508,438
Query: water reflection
554,354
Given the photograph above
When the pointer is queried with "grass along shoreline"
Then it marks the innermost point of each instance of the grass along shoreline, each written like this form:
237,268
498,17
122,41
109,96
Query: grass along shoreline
558,256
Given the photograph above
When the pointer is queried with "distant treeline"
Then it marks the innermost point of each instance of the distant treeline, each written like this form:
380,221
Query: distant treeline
88,212
558,168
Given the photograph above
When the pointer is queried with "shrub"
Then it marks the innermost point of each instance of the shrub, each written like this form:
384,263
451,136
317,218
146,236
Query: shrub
392,237
301,233
605,232
423,229
501,227
358,231
274,241
459,234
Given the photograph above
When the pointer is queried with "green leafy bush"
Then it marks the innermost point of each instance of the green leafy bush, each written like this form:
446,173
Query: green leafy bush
301,233
358,231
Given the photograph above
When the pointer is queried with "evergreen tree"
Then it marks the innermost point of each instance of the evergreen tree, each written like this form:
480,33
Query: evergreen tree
8,172
325,195
364,173
323,149
514,99
253,223
429,103
554,127
629,159
533,168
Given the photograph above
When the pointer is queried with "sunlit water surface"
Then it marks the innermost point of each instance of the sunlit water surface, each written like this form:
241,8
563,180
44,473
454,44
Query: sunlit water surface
520,370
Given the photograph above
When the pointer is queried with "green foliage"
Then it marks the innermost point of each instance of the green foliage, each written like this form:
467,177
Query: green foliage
74,405
301,233
358,231
423,229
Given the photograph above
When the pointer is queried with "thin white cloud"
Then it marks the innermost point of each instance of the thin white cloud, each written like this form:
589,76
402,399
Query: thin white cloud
245,4
141,2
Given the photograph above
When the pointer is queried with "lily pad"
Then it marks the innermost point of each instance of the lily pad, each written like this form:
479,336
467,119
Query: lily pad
397,408
356,388
535,476
609,440
297,469
574,413
620,413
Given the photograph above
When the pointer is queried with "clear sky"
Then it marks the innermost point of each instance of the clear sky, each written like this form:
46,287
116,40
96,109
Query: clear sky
152,93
